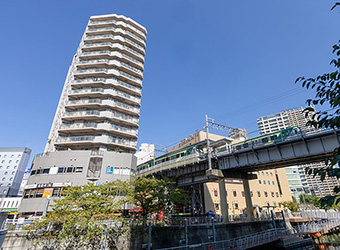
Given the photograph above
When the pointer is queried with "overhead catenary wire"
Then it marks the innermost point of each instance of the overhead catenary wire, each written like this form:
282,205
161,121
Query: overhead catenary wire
251,107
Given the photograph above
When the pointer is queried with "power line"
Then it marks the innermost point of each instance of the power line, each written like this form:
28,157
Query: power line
254,106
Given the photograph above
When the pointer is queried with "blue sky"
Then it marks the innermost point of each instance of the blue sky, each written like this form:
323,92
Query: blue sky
233,60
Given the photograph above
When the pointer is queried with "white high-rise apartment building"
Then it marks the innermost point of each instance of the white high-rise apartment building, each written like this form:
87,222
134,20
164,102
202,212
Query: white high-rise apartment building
13,162
94,133
298,181
100,103
285,119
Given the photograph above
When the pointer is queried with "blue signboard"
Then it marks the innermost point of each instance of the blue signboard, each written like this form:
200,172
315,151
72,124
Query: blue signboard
109,170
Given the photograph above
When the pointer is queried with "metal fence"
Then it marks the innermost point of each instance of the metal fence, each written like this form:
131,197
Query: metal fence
244,242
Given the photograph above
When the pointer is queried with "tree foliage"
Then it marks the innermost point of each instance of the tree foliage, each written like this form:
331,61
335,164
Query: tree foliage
291,205
327,88
76,221
156,197
88,216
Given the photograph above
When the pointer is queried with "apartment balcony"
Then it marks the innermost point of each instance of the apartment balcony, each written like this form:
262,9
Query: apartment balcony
106,55
115,105
129,78
100,82
71,141
110,22
100,92
108,73
116,31
95,115
97,48
94,72
105,63
91,127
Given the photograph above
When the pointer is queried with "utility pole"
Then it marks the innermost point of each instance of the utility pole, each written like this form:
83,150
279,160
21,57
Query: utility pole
217,173
208,142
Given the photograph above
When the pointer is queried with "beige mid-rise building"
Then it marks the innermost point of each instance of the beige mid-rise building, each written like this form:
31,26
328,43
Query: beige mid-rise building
268,191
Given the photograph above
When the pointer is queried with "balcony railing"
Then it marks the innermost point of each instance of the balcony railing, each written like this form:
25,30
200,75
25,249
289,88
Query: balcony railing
84,101
114,91
129,86
99,125
134,44
94,61
96,44
99,22
129,107
123,141
98,29
120,104
130,67
124,129
131,77
96,52
113,114
134,52
75,138
136,37
79,125
100,36
132,59
82,113
90,70
93,79
80,91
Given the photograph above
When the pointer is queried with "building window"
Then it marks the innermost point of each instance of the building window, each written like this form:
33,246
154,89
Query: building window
242,193
268,182
236,205
260,181
79,169
265,194
234,193
17,161
273,182
277,194
258,193
6,173
272,194
267,173
264,182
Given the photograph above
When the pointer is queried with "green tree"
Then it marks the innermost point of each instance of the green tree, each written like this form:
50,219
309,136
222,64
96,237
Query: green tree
84,218
291,205
310,199
156,196
327,87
